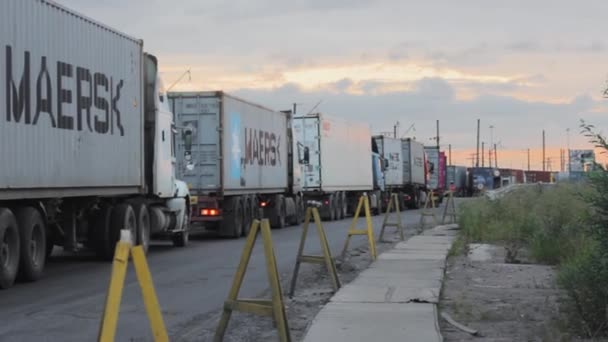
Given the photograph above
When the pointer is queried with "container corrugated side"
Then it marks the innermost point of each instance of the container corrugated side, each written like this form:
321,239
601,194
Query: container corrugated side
81,124
254,146
346,156
390,150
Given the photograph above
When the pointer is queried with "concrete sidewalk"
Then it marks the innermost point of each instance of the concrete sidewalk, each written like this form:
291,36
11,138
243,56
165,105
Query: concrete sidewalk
395,299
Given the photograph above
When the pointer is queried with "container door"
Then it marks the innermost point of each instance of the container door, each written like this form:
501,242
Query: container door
198,166
307,135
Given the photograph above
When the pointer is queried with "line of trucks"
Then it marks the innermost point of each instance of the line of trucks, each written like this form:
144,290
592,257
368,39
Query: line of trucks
90,143
241,161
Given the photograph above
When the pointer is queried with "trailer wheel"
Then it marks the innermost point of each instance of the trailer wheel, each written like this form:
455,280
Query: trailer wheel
32,231
248,214
143,226
299,210
279,213
104,245
232,226
123,217
9,248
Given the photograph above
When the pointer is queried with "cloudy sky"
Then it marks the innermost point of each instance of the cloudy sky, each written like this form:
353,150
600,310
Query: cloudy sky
520,66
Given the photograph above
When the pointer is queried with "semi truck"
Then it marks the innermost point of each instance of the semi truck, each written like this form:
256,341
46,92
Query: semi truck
86,140
414,172
404,169
237,159
457,177
337,164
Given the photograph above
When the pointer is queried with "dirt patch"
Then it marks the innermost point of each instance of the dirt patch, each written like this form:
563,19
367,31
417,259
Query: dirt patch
313,291
504,302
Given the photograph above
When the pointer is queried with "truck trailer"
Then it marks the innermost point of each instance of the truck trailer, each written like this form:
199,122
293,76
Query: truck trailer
86,140
404,169
457,177
237,160
338,164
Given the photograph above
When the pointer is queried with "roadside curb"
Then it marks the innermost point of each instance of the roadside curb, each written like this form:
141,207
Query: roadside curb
395,298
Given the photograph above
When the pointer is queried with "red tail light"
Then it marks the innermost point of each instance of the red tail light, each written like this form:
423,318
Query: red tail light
326,202
210,212
263,204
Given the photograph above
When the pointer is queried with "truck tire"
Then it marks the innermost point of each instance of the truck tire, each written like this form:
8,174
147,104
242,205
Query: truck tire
123,217
143,226
181,239
332,207
344,205
32,236
104,244
279,213
249,213
341,200
232,225
299,210
9,248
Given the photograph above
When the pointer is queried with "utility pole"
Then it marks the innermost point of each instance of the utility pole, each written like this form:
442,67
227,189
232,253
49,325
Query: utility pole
568,143
450,154
477,161
544,160
491,144
482,161
438,134
395,129
495,157
294,109
528,159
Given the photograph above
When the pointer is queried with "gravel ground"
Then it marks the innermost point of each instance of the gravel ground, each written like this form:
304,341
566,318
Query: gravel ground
312,292
504,302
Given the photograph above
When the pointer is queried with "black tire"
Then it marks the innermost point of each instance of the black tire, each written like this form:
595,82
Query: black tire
143,226
232,226
32,236
340,206
344,205
280,213
9,248
104,243
299,210
248,212
123,217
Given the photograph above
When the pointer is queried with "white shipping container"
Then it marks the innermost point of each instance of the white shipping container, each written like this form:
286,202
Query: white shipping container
390,150
413,162
340,153
71,103
238,147
432,154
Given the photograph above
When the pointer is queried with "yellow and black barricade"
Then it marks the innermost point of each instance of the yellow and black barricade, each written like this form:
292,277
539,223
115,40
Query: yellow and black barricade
363,204
428,210
393,202
450,209
326,258
107,331
274,307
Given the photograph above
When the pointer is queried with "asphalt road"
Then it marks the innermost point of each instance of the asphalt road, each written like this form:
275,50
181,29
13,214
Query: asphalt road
66,305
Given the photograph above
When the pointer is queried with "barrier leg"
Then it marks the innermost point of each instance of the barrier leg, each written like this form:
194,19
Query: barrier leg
278,307
237,281
109,321
149,295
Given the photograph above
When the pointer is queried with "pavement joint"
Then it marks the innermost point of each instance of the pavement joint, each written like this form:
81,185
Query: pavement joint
395,298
